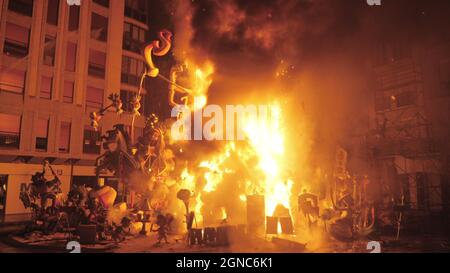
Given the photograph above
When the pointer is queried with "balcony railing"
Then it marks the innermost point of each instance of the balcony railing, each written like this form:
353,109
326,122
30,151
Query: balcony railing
8,140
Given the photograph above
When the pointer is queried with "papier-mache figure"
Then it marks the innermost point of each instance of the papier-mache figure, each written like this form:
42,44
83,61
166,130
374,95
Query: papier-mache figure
44,189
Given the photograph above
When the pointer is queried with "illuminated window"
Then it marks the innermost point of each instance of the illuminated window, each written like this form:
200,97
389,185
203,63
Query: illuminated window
41,130
12,80
99,27
64,137
94,97
46,88
16,41
49,50
24,7
68,92
97,63
9,131
53,12
71,57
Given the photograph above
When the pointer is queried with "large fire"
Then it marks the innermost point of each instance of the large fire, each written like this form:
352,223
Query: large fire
267,140
199,77
264,143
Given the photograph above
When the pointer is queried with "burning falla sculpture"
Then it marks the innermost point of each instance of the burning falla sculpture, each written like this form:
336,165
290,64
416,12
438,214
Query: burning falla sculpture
359,218
124,159
144,158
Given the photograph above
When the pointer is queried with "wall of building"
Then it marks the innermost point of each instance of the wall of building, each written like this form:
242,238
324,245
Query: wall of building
414,141
19,164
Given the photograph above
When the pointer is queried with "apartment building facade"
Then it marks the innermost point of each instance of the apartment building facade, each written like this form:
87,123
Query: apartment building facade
408,147
58,63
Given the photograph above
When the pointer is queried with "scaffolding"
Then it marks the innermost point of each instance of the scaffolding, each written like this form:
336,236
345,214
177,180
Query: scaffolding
403,148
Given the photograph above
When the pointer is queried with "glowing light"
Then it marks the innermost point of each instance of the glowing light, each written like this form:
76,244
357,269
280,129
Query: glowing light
267,139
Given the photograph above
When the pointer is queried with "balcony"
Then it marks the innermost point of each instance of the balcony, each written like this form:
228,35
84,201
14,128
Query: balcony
15,48
10,141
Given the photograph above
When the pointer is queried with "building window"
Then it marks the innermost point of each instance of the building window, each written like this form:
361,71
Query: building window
24,7
71,57
94,97
127,98
74,17
132,70
136,9
12,80
16,41
53,12
41,130
9,131
104,3
91,141
97,63
64,137
49,50
68,92
99,27
134,38
46,88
